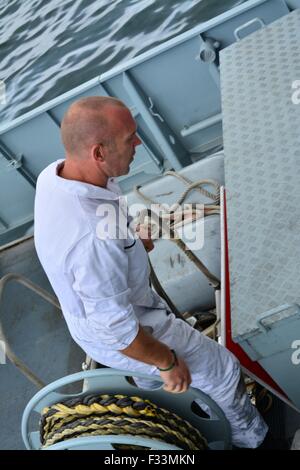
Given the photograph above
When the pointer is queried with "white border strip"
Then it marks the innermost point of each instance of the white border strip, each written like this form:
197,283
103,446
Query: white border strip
223,270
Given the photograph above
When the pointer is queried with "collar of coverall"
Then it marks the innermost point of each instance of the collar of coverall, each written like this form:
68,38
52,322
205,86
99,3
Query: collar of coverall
112,190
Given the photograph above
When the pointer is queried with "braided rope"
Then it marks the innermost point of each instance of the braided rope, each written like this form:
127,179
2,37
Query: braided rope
173,237
117,415
185,216
197,185
85,406
99,404
119,425
60,423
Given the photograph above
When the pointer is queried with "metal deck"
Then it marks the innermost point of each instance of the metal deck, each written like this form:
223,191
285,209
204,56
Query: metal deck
37,333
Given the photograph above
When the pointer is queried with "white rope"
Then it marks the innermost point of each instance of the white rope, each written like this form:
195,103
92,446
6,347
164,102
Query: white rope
171,219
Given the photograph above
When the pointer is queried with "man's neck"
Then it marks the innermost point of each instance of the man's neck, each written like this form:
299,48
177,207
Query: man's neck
71,171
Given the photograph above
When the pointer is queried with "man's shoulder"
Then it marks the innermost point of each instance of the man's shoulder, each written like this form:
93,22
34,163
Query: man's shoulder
49,172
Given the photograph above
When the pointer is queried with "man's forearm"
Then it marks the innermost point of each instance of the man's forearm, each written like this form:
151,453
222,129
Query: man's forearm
146,348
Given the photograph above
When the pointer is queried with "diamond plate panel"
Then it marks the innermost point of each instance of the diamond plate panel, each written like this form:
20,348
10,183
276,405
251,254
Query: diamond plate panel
261,126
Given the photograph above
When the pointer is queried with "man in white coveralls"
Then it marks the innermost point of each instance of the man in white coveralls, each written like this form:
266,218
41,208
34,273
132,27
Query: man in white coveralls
102,283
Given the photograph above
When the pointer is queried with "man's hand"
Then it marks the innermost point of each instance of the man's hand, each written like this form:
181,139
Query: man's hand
147,349
178,379
144,233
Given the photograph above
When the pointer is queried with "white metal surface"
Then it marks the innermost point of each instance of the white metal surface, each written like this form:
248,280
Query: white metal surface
262,172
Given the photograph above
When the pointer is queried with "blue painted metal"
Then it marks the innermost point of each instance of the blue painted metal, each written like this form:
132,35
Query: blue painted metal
4,224
198,126
15,162
274,350
246,26
111,381
209,54
105,443
36,332
156,123
260,319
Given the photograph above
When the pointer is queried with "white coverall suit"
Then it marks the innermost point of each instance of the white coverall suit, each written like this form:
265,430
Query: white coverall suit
103,288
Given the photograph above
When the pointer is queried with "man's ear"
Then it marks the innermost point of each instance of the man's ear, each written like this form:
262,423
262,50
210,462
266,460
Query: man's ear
97,152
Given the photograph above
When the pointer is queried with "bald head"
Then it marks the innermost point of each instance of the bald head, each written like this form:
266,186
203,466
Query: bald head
88,121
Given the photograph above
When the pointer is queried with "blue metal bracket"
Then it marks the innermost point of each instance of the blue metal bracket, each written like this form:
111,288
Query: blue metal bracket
150,149
7,154
209,54
273,312
199,126
103,88
3,223
246,25
54,119
156,123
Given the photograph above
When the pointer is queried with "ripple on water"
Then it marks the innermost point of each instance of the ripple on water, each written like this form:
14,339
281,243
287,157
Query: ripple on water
48,46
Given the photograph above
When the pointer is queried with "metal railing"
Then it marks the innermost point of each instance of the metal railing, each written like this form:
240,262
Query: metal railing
8,350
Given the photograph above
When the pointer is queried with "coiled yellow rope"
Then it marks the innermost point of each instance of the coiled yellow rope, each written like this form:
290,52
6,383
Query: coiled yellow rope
119,415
